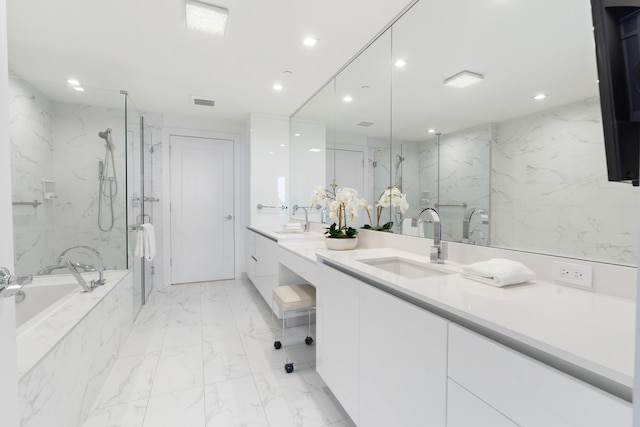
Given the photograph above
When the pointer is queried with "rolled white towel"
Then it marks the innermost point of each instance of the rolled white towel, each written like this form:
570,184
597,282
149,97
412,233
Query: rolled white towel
149,241
498,272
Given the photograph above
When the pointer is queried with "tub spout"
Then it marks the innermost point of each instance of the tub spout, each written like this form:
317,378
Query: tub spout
10,284
73,268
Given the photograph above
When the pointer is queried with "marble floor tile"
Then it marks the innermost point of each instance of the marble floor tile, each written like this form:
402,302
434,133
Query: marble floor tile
322,395
224,360
125,415
214,307
182,332
178,409
130,380
178,369
288,400
143,339
234,403
219,328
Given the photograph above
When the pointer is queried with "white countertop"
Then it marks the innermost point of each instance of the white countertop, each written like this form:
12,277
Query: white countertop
280,234
592,331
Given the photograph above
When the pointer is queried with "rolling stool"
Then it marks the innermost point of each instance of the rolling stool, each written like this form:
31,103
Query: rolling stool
293,299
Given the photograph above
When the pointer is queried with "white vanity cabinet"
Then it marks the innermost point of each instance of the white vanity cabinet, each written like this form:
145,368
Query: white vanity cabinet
337,330
403,362
262,263
383,358
524,390
464,410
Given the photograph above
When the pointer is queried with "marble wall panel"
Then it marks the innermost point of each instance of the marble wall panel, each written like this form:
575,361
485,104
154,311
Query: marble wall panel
550,192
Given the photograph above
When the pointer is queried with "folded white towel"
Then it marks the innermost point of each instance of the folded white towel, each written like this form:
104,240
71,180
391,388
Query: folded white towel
498,272
292,226
409,230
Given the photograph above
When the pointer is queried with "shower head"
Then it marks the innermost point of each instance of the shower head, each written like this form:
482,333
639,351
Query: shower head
399,159
106,135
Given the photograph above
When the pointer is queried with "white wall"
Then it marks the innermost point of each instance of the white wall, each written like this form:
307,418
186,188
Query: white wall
269,169
8,365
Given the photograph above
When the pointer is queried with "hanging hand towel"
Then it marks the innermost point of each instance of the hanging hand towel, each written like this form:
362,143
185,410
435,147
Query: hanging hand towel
498,272
139,250
149,241
409,230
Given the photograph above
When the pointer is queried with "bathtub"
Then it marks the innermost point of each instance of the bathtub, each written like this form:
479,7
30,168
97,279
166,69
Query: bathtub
67,341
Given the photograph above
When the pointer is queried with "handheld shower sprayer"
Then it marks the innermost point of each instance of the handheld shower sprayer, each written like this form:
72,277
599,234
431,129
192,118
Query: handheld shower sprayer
106,135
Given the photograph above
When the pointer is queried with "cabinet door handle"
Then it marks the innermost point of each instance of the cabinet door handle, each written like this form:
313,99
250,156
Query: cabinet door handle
254,258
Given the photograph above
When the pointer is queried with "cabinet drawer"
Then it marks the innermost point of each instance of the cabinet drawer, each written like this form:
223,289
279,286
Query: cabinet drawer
465,410
527,391
300,266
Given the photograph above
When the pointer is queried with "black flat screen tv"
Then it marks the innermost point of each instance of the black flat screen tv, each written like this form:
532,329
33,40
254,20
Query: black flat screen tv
616,27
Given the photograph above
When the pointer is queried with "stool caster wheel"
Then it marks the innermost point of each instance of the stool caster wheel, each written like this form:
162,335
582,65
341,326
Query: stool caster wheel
308,340
277,345
288,367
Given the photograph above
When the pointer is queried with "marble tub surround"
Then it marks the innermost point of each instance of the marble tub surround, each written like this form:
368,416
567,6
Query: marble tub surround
202,355
590,333
64,358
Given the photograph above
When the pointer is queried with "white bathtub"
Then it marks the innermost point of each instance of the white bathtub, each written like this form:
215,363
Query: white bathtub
67,342
42,298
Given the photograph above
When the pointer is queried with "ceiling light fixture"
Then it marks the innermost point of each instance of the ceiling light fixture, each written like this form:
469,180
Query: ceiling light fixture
463,79
315,150
431,130
206,17
79,88
297,134
539,96
347,98
277,87
310,41
400,63
73,82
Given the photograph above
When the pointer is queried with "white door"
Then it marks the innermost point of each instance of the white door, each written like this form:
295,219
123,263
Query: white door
202,246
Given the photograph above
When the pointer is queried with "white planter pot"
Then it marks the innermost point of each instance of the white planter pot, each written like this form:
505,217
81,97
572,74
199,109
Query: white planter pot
341,244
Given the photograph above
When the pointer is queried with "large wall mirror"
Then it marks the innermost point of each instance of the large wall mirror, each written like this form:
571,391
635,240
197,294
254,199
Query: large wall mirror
531,169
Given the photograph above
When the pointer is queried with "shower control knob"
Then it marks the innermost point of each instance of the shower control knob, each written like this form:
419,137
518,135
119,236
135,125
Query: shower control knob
229,217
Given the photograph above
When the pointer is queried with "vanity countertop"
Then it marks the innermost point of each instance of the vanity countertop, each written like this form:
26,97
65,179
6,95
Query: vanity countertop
564,327
279,234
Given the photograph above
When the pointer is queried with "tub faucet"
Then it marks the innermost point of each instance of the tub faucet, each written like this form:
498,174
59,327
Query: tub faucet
438,251
466,223
73,268
307,224
11,285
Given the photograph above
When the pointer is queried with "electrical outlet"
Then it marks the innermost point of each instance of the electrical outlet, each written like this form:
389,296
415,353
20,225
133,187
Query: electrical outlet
573,274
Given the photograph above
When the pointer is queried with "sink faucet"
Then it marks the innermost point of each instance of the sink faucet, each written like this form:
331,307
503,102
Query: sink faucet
466,233
438,251
11,285
73,268
307,224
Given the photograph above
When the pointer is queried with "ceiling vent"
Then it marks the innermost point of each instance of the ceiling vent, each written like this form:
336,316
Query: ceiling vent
365,123
204,102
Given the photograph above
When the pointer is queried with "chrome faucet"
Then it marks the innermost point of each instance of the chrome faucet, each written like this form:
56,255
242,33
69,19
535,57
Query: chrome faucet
307,224
466,223
323,214
73,268
438,251
11,285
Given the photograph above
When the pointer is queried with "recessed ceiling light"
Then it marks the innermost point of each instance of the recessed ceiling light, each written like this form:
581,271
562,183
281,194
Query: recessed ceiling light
463,79
282,145
206,17
540,96
347,98
400,63
431,130
270,152
277,87
73,82
297,134
310,41
315,150
78,88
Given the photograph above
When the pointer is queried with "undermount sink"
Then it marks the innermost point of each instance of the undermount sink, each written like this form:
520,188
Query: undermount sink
405,267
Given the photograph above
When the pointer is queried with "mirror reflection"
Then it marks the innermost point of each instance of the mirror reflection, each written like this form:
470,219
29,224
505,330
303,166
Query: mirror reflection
68,162
513,160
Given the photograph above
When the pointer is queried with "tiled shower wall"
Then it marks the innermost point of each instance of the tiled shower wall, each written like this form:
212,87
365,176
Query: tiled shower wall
59,142
550,192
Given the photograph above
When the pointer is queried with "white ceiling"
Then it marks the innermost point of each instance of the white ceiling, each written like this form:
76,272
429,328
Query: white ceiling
143,46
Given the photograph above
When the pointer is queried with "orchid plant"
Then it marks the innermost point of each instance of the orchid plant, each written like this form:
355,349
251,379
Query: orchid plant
343,204
393,197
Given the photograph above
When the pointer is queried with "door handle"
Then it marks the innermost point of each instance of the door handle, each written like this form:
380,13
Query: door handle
229,217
